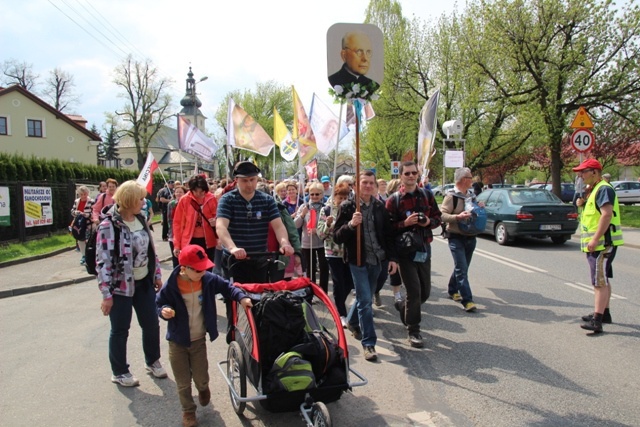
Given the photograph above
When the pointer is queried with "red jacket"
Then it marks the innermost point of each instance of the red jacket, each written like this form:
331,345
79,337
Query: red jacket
186,216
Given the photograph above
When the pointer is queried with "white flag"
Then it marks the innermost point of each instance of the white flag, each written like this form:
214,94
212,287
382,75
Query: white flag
325,125
192,140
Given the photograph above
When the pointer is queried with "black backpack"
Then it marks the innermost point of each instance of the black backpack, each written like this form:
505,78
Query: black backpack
280,322
91,250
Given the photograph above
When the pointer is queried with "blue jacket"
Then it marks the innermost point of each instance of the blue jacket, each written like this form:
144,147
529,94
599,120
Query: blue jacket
178,326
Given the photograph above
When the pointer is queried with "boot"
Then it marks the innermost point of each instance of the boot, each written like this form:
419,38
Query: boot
593,325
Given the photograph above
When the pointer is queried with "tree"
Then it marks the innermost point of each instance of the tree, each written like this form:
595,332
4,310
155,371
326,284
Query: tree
258,104
108,149
21,73
147,103
548,57
60,89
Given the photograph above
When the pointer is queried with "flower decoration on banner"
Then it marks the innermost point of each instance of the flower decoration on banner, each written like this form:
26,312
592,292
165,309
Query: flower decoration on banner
354,90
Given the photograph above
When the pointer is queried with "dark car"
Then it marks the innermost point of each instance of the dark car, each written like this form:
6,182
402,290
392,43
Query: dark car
534,212
566,192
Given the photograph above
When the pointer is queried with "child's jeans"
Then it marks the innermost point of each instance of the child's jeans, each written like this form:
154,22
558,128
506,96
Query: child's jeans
187,363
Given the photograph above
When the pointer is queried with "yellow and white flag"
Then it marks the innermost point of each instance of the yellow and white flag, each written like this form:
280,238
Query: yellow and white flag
283,139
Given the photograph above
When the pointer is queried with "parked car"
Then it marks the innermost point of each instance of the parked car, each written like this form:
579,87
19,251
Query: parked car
533,212
566,192
439,191
628,192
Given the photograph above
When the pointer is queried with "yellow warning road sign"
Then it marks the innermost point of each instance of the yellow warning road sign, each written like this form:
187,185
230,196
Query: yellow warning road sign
582,120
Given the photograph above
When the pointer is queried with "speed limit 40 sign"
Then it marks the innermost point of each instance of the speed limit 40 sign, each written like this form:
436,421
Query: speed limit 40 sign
582,140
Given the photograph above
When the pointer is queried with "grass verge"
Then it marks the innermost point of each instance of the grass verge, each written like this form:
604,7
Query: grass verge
36,247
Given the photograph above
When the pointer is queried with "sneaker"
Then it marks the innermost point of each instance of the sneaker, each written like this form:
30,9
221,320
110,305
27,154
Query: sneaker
204,397
606,317
82,261
125,380
355,331
593,325
370,353
157,370
469,307
189,419
456,297
399,304
343,320
377,301
415,340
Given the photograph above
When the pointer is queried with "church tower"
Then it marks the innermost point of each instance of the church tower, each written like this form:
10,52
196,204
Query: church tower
191,104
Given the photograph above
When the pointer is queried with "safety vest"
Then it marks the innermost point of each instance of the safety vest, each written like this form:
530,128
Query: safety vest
591,216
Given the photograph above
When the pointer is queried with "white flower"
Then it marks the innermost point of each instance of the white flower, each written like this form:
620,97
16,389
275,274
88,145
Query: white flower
364,94
349,95
375,96
338,89
356,88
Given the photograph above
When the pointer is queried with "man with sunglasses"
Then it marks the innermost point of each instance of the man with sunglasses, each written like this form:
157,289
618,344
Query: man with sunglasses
600,236
244,215
414,209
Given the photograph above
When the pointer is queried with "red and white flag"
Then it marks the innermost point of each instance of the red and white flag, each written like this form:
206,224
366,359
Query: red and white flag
146,174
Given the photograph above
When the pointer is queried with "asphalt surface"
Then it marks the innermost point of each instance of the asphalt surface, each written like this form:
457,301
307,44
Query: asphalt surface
63,268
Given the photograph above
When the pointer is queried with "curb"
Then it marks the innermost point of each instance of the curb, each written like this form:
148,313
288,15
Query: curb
44,287
52,285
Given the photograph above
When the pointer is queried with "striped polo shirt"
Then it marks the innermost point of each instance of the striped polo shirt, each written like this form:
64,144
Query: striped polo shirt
248,221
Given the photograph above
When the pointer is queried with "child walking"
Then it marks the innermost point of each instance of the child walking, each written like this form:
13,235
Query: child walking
187,301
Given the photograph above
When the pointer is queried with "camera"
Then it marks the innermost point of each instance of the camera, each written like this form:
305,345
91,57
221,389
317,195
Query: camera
422,219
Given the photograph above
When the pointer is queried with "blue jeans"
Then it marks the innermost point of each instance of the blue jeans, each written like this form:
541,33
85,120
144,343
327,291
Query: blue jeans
144,302
461,248
365,279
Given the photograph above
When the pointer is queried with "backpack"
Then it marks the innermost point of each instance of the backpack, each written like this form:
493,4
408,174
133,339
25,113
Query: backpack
79,227
477,222
319,349
290,372
280,322
91,249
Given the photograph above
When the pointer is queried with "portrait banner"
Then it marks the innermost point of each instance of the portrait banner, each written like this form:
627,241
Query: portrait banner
246,133
325,124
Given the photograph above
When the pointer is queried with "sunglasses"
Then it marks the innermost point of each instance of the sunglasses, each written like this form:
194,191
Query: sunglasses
197,271
410,173
315,194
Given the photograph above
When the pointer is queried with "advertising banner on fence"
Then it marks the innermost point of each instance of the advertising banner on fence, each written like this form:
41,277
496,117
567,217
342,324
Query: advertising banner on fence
5,218
37,206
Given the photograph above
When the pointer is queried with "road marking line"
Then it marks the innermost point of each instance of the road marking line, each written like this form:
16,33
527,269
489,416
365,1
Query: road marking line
508,264
513,261
589,289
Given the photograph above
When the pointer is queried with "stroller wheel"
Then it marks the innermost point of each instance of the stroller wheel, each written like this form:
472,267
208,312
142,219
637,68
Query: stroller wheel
320,415
237,374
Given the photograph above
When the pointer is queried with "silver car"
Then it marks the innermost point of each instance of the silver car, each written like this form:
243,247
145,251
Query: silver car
628,192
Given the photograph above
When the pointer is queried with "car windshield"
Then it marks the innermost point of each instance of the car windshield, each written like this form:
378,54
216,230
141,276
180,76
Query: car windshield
532,195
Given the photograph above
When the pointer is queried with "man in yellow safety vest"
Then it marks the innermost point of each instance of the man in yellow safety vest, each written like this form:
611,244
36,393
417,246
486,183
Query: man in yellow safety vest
601,235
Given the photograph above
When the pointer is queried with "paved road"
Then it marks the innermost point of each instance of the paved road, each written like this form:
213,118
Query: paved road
521,360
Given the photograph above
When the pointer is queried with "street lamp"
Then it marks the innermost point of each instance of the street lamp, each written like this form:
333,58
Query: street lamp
194,98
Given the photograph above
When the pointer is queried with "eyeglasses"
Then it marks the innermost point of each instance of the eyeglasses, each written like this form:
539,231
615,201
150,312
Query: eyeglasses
197,271
361,52
315,194
410,173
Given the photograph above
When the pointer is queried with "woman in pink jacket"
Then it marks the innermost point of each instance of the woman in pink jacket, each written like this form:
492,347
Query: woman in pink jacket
194,220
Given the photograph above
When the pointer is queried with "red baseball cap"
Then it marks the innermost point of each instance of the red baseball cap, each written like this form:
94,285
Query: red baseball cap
588,164
195,257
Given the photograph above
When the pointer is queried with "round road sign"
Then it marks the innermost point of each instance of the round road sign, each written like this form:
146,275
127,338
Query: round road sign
582,140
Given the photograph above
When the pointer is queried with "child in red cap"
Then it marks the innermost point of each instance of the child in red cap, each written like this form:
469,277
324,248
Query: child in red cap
187,301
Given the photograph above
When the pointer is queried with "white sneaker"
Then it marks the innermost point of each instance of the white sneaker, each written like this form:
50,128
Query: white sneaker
343,320
125,380
157,370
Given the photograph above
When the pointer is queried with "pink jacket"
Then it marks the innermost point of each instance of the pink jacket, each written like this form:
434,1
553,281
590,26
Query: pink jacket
186,216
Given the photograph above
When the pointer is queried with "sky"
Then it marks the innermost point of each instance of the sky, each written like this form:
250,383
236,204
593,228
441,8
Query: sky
236,44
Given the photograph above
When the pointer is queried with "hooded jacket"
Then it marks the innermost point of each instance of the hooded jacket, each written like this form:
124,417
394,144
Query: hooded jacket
186,216
115,276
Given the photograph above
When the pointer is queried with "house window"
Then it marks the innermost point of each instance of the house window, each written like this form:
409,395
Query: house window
4,130
34,128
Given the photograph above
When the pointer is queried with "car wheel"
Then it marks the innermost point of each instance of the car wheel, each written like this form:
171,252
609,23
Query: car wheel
502,235
559,240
